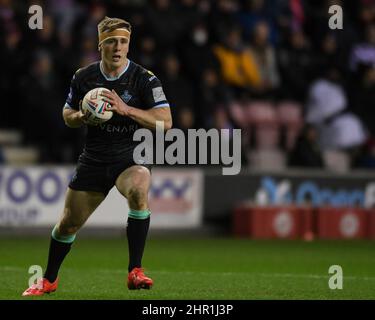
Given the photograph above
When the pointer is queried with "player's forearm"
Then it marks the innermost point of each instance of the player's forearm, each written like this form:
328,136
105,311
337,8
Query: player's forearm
72,118
148,118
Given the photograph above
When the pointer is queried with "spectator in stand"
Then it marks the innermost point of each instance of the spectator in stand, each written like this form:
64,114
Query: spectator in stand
259,11
147,55
43,98
89,52
185,120
13,62
165,22
326,97
264,54
188,13
64,12
95,13
177,88
364,99
239,68
363,54
306,152
329,52
296,66
223,17
213,95
197,47
338,128
46,38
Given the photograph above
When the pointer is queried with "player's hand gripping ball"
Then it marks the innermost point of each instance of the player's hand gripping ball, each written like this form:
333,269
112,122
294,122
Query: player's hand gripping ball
94,106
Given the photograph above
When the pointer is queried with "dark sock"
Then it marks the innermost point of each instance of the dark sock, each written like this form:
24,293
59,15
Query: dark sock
137,230
57,252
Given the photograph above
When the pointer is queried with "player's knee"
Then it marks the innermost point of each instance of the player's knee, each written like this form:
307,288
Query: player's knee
140,177
137,197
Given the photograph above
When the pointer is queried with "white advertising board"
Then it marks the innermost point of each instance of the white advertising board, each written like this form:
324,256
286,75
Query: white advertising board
34,196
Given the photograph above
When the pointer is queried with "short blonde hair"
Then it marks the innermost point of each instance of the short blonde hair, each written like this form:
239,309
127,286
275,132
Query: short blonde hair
113,27
109,24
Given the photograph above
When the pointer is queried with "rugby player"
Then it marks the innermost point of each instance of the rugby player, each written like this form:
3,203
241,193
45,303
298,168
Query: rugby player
138,101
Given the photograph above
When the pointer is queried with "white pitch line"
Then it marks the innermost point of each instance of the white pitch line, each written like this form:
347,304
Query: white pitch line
11,268
205,273
271,275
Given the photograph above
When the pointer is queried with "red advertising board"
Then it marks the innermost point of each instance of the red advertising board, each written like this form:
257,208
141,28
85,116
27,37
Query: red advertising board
284,222
293,222
342,223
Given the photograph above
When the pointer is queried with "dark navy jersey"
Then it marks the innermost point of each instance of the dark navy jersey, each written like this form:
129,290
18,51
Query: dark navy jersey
112,141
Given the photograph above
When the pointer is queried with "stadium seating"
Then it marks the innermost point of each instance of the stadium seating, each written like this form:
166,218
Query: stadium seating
262,118
261,112
289,115
13,152
267,159
238,114
268,121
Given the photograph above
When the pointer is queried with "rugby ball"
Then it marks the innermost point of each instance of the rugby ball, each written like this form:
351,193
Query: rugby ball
94,105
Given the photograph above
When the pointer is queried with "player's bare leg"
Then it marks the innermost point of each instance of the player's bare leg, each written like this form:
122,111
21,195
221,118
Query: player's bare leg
134,184
79,205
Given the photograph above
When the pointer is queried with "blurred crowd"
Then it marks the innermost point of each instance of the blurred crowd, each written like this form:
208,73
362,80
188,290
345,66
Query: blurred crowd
270,67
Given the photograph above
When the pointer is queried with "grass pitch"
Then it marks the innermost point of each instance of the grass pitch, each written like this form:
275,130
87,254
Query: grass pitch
196,268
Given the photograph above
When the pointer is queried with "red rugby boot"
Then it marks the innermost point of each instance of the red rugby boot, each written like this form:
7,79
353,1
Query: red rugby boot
43,286
138,280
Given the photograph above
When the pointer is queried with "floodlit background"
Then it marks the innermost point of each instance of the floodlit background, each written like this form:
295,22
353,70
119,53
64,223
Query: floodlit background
303,96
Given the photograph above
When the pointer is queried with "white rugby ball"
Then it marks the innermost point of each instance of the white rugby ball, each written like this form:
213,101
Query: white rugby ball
96,107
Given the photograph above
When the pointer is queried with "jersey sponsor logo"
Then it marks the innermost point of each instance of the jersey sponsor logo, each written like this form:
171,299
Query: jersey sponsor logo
126,96
110,128
158,94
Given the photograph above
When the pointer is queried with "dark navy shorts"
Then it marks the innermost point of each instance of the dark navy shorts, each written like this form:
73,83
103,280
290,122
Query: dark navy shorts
99,177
